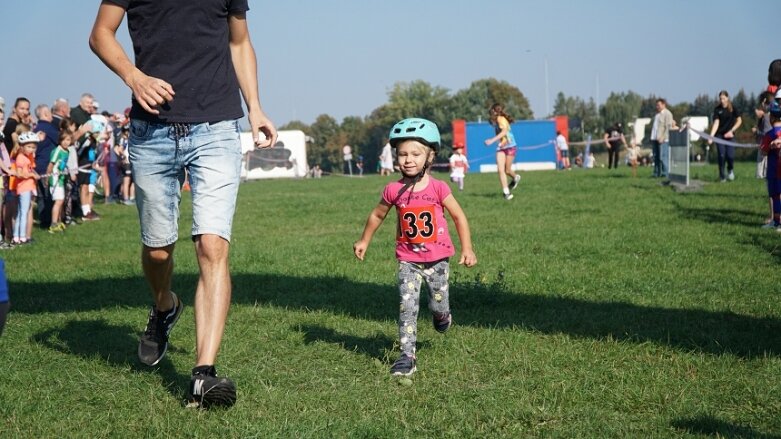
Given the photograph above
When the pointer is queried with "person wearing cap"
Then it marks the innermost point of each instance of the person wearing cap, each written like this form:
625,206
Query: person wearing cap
458,165
25,183
614,138
186,119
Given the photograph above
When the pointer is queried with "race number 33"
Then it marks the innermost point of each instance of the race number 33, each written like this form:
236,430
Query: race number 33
417,224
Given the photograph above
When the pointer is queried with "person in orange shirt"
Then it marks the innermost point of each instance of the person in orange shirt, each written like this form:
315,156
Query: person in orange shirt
26,178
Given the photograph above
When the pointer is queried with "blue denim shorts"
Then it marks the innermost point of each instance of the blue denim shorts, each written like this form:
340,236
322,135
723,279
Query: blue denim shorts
160,154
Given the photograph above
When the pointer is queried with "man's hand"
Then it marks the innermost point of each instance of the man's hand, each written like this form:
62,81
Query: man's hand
150,92
260,123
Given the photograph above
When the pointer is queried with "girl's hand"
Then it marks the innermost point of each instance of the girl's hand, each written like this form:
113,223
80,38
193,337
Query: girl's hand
467,259
488,141
359,248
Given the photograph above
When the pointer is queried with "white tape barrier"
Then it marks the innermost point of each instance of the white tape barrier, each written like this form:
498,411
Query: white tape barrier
720,140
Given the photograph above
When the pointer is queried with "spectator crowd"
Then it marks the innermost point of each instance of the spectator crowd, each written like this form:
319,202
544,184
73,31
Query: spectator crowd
56,162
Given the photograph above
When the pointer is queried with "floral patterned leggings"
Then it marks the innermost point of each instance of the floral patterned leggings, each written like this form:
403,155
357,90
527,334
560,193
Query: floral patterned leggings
411,277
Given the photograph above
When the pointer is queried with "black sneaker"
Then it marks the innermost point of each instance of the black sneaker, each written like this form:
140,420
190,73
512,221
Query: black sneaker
207,390
154,341
442,321
404,366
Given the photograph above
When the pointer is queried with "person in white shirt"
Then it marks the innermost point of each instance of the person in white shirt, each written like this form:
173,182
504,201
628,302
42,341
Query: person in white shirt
563,149
458,165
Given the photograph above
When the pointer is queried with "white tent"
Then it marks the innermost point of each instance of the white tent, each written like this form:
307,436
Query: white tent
285,159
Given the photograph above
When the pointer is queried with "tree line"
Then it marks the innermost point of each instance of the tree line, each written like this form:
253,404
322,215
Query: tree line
367,135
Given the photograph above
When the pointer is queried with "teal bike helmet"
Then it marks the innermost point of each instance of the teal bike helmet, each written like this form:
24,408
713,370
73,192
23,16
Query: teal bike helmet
422,130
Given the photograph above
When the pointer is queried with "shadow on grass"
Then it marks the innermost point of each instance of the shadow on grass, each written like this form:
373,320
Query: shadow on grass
476,304
116,345
711,215
710,426
374,347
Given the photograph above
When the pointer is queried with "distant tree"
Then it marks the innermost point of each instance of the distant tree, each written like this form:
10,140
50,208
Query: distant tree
583,116
472,103
295,125
621,107
325,148
703,105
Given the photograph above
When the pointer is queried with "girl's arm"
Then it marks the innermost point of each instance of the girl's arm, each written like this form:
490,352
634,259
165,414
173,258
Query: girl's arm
468,257
495,138
713,129
376,217
738,123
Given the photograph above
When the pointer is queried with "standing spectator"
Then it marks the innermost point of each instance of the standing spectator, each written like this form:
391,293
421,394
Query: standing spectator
763,126
198,132
58,175
769,146
386,160
458,166
505,150
19,114
359,165
563,150
121,148
5,173
48,143
25,185
60,111
81,113
614,138
726,121
660,137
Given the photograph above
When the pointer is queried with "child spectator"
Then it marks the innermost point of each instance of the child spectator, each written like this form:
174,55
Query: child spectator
25,185
121,150
632,153
86,160
458,166
58,175
423,244
563,150
771,143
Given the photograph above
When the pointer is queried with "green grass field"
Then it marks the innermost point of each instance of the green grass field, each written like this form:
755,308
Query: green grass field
602,306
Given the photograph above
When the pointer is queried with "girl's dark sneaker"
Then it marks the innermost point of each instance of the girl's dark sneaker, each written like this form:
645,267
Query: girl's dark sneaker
404,366
442,321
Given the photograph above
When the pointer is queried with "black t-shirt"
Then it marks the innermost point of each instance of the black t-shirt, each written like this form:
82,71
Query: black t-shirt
10,127
611,133
79,116
185,43
726,118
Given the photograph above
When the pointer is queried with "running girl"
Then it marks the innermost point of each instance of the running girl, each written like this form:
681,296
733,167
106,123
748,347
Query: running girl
423,244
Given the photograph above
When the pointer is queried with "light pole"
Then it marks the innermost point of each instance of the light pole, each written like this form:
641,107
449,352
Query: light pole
547,94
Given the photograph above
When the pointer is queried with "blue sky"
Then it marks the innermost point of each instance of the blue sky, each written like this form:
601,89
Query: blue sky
341,57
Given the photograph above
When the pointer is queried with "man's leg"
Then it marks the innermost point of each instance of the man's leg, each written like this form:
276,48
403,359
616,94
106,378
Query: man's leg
158,265
212,296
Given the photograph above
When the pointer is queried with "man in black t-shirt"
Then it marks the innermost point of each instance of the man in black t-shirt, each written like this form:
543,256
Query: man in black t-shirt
193,63
614,138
